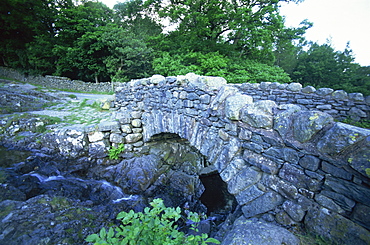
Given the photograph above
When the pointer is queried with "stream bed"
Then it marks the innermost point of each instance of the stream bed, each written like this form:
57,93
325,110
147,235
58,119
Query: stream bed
47,199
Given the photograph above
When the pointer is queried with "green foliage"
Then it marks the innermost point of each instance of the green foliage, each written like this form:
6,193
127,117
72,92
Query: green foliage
322,66
216,64
362,124
114,152
155,226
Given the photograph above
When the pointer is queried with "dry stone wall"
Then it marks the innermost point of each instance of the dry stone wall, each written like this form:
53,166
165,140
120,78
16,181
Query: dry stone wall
57,82
283,163
337,103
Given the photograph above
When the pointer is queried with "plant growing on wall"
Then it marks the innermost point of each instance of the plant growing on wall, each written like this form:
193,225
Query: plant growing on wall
155,226
114,152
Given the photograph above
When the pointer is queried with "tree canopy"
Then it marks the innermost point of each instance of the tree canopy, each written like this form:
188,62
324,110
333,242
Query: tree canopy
242,40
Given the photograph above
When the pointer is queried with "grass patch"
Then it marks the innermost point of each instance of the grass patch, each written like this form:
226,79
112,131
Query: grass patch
362,123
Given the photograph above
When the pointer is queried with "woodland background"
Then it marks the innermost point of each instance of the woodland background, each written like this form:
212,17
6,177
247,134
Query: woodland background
241,40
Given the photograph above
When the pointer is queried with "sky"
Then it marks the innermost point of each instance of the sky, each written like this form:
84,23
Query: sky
340,21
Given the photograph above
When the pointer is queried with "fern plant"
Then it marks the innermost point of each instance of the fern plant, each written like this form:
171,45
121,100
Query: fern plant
114,152
154,226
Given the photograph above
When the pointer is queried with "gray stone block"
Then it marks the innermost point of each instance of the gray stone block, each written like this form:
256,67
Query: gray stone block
243,179
262,204
310,162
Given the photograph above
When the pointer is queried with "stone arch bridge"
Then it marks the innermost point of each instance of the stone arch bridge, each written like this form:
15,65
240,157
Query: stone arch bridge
287,161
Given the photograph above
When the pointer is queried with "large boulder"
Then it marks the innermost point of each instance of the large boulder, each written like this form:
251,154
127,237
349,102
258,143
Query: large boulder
335,227
308,123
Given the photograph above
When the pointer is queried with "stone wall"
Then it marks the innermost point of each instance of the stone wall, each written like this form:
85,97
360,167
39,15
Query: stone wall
283,163
339,103
55,82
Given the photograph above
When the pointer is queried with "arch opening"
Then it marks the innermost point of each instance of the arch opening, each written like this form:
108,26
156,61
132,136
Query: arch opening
212,190
216,197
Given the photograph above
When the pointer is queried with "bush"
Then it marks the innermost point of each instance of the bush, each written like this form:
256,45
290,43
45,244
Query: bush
234,70
154,226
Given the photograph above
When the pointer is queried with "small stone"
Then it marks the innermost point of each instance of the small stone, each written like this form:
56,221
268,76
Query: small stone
95,136
294,87
136,114
262,204
109,126
133,138
310,162
137,130
340,95
245,134
136,123
234,103
213,82
308,90
223,135
358,97
294,210
324,107
116,138
324,91
126,129
205,99
156,79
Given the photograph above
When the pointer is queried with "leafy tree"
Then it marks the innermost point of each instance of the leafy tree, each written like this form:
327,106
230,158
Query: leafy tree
23,22
289,43
129,57
132,16
322,66
248,27
79,54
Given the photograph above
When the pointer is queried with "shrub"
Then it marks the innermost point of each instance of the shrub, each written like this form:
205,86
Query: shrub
155,226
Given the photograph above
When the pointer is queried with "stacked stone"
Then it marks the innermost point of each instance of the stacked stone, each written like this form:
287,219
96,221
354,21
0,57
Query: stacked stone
338,103
282,162
57,82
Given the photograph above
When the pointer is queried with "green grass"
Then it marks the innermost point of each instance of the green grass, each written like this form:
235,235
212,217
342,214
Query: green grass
41,87
362,124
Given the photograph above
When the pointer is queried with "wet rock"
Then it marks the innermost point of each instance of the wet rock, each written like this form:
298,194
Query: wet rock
135,175
52,220
245,232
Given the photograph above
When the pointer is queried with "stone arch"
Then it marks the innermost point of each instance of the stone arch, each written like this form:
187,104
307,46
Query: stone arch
204,141
281,161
